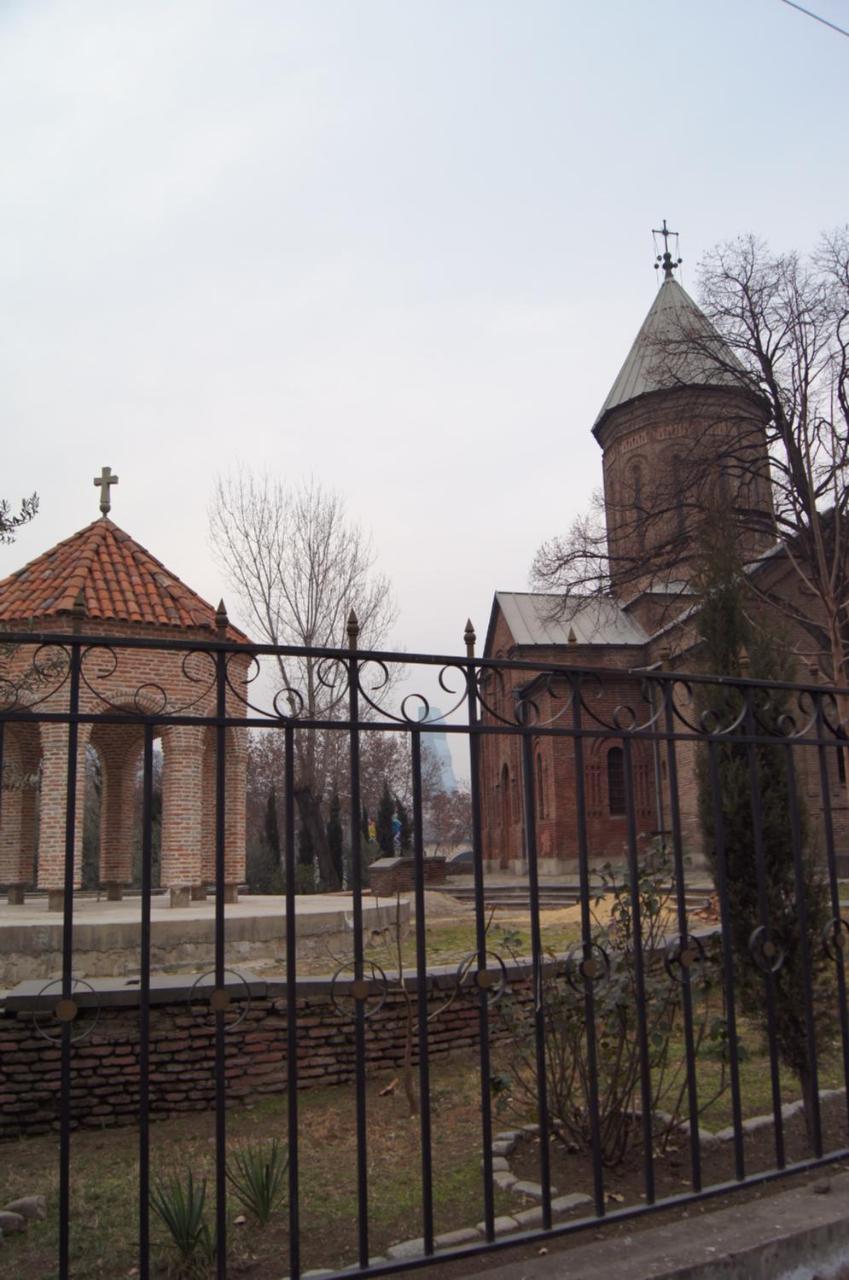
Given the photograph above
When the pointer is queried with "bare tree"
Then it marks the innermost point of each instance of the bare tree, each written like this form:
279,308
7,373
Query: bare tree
776,328
11,521
299,566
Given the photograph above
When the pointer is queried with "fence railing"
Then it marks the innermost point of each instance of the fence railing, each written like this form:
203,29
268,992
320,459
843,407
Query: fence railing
685,1031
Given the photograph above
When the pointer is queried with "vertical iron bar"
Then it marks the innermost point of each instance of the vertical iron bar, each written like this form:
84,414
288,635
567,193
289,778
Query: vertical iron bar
536,956
727,957
144,1006
639,973
834,893
220,1072
67,964
814,1120
422,992
587,946
357,887
480,937
763,922
291,1005
683,931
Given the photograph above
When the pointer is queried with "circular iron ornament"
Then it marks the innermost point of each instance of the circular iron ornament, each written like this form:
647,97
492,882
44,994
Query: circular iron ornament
220,999
682,955
767,954
492,981
580,969
360,991
65,1011
835,938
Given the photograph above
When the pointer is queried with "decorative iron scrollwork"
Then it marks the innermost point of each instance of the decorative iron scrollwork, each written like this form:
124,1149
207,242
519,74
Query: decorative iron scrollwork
682,955
586,965
360,990
219,999
766,951
835,938
492,981
66,1012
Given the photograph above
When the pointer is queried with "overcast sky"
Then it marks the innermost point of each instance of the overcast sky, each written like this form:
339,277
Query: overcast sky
403,246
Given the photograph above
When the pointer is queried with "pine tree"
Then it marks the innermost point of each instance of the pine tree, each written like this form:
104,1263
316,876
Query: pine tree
735,645
334,833
385,814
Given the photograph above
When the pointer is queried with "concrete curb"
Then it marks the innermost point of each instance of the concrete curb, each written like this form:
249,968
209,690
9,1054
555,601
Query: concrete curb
799,1234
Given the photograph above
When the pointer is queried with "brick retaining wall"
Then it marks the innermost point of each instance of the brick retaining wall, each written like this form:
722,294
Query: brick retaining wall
105,1065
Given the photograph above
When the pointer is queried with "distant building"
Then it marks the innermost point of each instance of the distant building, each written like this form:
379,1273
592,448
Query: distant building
436,755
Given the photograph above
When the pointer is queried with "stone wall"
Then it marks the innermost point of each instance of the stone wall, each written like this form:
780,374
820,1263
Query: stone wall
105,1064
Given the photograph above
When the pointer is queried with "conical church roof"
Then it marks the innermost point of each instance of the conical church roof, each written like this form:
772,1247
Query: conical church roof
116,579
676,346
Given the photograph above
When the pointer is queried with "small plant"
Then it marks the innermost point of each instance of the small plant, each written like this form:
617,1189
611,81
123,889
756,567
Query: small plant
257,1176
180,1203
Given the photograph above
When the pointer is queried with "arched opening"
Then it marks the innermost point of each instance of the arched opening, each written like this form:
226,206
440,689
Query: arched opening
616,782
506,815
540,788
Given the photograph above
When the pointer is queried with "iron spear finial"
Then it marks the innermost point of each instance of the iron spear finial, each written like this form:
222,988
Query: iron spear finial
665,259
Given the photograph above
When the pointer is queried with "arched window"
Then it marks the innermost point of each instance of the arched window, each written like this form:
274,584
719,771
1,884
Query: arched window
616,781
638,497
540,789
678,495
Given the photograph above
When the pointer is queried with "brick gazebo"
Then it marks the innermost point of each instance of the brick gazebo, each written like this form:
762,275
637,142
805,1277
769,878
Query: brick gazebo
102,583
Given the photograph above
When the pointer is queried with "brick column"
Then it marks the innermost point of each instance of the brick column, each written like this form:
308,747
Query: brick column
17,810
51,829
235,817
182,808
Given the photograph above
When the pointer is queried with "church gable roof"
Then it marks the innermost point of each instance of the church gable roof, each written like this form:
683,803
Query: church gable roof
535,619
117,579
660,359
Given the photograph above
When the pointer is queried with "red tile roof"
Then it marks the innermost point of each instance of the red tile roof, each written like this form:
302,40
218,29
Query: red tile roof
120,582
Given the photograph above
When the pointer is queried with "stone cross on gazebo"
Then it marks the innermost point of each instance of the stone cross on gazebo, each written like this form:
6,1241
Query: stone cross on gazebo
104,483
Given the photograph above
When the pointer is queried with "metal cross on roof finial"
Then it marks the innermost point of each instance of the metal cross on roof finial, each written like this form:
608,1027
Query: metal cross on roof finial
665,259
103,482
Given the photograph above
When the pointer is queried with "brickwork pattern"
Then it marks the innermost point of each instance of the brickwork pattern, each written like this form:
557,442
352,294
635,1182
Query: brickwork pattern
105,1066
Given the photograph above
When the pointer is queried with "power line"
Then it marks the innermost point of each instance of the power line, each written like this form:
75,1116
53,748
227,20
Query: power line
816,17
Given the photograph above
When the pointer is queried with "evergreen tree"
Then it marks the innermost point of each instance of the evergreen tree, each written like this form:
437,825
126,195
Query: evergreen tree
385,814
334,833
405,834
735,645
271,827
306,850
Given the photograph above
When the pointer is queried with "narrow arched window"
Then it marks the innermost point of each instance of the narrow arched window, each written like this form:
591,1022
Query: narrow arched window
678,495
616,781
639,508
540,789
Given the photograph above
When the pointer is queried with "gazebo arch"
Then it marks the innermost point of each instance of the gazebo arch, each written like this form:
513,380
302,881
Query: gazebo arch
102,583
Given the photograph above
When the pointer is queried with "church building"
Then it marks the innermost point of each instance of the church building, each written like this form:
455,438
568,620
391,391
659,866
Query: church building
680,434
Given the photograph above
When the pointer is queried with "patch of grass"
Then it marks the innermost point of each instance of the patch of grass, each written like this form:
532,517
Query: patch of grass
104,1194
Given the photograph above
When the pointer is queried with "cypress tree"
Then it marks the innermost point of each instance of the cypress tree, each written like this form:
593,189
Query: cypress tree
385,814
405,834
735,645
334,833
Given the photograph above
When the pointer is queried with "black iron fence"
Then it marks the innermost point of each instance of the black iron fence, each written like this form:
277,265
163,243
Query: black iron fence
686,1034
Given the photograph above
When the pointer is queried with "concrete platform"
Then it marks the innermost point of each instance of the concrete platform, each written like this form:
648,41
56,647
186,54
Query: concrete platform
106,934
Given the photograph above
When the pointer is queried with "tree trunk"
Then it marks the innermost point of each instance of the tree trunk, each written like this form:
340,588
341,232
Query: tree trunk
309,811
